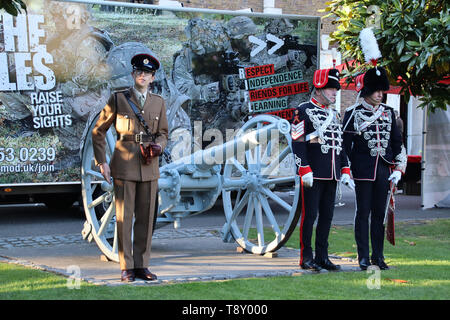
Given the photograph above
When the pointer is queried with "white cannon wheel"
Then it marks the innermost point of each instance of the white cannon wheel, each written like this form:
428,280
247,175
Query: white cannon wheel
98,197
267,192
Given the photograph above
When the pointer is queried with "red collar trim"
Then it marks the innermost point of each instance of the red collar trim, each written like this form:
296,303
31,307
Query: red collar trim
316,103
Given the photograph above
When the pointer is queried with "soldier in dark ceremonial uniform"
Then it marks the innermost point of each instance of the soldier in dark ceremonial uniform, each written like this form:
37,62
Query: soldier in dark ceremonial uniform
321,163
374,147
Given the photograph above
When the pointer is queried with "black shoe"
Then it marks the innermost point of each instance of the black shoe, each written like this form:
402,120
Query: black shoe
364,263
328,265
127,276
380,263
310,265
145,274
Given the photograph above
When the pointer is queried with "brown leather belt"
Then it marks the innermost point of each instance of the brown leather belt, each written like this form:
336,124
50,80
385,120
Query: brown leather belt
138,138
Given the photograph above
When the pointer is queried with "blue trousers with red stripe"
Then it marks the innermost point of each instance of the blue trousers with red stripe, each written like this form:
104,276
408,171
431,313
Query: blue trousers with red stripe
319,200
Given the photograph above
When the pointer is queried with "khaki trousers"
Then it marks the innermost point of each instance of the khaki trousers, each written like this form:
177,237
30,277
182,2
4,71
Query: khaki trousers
134,198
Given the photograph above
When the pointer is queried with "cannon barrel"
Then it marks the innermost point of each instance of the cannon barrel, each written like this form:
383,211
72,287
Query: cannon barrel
192,184
205,159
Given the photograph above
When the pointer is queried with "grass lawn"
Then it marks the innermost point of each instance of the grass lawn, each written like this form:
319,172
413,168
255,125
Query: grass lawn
420,270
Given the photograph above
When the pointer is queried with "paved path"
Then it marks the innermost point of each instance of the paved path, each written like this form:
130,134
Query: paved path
193,253
177,256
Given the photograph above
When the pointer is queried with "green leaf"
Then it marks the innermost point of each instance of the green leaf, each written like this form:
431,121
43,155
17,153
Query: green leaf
408,19
413,43
358,23
422,4
400,46
418,32
396,21
412,63
406,57
421,61
433,22
13,7
397,4
389,32
10,8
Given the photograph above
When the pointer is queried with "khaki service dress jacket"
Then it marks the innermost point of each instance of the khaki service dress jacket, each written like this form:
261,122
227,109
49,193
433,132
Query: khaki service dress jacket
126,163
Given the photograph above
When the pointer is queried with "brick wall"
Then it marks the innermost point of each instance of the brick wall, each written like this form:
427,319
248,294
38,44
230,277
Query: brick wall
302,7
256,5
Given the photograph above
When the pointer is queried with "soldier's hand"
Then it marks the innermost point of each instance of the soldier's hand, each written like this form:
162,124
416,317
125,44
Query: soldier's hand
308,180
395,177
106,172
346,180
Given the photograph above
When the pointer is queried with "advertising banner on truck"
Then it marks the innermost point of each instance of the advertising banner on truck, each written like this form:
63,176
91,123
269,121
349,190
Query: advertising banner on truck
60,62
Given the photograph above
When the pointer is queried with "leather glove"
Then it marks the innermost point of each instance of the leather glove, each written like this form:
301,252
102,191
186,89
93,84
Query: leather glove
347,181
155,149
395,177
308,180
149,152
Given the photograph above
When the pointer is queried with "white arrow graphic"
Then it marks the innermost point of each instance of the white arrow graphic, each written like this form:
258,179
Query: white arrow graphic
278,43
260,45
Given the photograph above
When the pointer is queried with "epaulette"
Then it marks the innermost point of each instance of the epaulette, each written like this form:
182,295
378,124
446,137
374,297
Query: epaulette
157,95
120,90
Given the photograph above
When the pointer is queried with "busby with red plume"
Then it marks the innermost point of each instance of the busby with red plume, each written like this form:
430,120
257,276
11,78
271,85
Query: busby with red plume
374,79
326,78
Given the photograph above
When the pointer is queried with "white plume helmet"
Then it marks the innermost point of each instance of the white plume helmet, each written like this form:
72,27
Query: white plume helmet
369,46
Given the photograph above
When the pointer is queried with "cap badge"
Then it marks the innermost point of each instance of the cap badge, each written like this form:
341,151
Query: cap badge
145,61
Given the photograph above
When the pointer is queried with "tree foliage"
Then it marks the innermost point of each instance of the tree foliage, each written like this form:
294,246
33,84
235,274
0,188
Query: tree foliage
13,7
413,39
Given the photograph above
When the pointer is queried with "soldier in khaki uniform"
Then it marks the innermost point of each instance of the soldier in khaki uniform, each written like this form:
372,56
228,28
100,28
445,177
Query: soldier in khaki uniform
135,183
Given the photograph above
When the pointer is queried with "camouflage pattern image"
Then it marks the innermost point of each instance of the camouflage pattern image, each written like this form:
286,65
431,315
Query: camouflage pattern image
210,66
43,125
197,71
289,57
61,61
